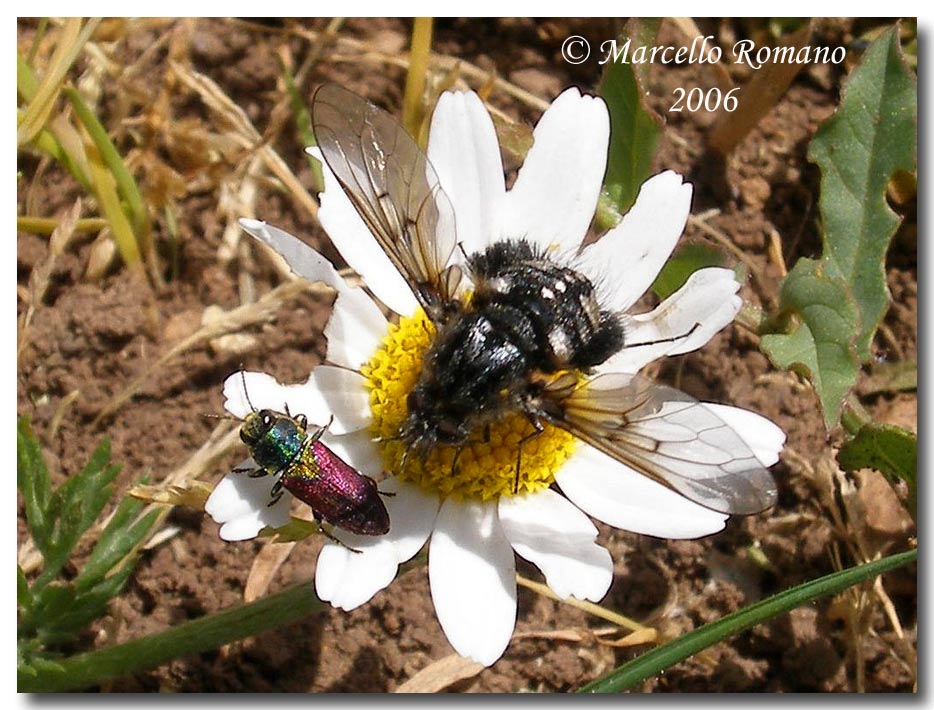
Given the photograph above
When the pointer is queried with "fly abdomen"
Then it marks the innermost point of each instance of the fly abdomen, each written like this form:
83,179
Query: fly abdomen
563,325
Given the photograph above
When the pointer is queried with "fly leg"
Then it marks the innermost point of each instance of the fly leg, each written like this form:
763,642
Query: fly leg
539,429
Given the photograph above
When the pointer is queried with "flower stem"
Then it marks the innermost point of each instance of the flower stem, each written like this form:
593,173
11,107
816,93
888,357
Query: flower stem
188,639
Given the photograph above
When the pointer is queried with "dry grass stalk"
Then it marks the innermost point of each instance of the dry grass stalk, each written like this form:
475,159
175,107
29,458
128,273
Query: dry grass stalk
237,319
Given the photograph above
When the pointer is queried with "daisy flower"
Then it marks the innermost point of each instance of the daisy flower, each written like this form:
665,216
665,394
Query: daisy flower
471,516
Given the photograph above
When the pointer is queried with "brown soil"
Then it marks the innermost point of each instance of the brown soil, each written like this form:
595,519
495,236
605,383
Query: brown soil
96,337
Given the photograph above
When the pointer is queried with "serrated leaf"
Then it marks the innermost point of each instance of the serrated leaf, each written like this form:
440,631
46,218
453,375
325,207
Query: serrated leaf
634,126
872,135
74,507
93,603
32,479
821,343
889,449
49,604
687,259
44,665
23,595
123,533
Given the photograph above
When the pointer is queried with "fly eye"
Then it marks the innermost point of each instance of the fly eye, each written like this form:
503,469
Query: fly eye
267,419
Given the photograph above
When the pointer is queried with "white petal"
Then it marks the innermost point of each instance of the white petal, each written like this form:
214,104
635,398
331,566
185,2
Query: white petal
328,391
619,496
629,256
354,330
341,392
357,245
472,571
701,308
555,194
356,324
560,540
348,579
760,434
463,149
301,258
246,392
241,505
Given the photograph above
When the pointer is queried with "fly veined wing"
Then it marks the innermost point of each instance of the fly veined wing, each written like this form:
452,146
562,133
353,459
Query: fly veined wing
393,187
669,436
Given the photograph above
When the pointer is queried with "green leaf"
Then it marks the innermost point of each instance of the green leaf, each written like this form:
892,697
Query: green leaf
38,664
687,259
891,450
32,479
74,507
895,376
871,136
50,603
634,126
666,655
122,534
23,595
821,341
93,603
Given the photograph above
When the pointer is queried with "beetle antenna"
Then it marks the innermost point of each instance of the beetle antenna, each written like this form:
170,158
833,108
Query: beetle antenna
220,416
245,393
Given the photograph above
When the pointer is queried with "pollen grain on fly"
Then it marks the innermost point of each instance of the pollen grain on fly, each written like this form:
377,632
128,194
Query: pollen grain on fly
484,468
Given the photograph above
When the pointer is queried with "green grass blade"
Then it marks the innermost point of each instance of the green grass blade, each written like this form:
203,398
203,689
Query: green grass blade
658,659
187,639
105,188
26,82
71,41
126,185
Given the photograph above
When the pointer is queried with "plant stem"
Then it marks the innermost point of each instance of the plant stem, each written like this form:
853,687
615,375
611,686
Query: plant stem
412,108
190,638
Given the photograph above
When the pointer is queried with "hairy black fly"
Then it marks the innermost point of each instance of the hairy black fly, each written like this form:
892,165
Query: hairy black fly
528,315
528,334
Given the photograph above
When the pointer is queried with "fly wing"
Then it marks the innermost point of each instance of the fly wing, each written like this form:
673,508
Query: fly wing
669,436
394,189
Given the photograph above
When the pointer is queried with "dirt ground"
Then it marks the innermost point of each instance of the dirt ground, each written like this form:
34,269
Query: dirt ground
94,337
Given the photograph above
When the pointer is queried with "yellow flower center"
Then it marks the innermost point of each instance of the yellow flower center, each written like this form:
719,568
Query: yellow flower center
485,467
